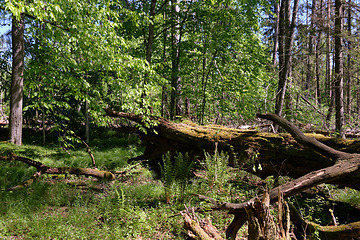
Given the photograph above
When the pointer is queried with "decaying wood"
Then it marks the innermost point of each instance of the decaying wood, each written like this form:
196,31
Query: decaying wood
311,158
345,164
278,154
202,230
43,169
88,150
261,223
307,228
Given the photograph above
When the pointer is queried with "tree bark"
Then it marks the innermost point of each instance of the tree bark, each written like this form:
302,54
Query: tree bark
339,70
16,99
309,58
150,38
276,32
349,65
303,226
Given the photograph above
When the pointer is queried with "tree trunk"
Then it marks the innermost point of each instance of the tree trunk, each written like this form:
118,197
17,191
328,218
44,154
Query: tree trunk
165,110
328,81
16,99
276,33
43,169
349,66
339,71
286,39
150,38
346,164
317,57
309,58
176,86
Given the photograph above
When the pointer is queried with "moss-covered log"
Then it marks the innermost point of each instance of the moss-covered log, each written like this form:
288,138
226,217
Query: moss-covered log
312,159
278,154
43,169
305,227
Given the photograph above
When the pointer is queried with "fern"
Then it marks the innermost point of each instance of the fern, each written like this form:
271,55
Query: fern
183,174
176,172
216,169
168,173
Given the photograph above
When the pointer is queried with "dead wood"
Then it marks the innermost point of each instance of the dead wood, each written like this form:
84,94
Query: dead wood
203,230
261,223
345,164
43,169
305,228
311,158
278,154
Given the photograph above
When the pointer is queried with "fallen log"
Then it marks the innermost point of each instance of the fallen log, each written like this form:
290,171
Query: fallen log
312,159
305,227
43,169
345,164
277,154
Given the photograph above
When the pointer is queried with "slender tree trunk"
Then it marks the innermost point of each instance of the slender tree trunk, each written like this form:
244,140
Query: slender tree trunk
286,39
328,85
349,66
175,101
204,83
150,39
16,100
339,71
164,96
87,122
309,65
276,34
358,97
317,57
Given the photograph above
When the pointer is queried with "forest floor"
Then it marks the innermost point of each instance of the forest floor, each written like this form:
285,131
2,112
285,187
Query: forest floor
136,205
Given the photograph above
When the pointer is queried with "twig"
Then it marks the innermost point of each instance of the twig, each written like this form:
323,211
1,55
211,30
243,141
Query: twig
88,150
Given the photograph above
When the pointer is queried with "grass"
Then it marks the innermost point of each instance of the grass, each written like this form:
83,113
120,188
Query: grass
133,207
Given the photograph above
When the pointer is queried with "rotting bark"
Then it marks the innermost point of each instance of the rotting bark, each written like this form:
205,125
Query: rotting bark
278,154
203,230
43,169
261,224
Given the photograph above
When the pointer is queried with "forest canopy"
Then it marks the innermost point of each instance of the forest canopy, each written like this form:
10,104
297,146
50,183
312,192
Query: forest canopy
199,59
204,85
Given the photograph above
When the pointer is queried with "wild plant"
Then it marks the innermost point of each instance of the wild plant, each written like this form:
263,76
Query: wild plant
168,174
216,169
183,174
177,171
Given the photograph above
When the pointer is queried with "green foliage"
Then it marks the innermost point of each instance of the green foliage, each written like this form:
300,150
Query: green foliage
176,171
216,169
133,207
347,195
60,207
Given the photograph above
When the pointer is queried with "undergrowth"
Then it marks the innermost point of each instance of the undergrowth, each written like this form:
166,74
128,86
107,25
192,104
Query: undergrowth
136,205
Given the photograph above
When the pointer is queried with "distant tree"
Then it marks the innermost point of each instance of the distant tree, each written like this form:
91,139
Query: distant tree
339,70
287,20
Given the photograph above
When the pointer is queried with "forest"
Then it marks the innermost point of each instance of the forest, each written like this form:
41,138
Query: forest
169,119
